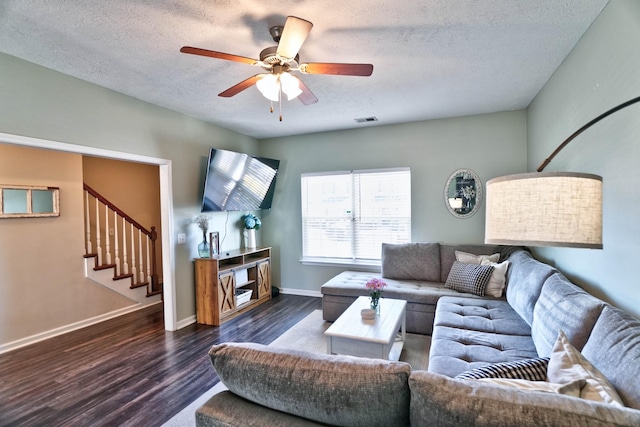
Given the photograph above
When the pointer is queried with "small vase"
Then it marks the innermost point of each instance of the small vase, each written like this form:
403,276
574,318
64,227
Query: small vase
203,248
250,238
375,304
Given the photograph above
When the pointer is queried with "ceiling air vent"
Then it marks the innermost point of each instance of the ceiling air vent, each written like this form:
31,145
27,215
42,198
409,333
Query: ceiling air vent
366,119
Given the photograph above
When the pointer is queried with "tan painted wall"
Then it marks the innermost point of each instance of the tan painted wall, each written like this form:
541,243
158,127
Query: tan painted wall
42,283
133,187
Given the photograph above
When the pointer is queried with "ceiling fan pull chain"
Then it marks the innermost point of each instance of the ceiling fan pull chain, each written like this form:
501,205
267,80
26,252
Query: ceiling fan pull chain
280,98
271,106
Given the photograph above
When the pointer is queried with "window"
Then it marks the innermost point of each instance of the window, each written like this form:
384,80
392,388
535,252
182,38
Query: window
346,216
28,201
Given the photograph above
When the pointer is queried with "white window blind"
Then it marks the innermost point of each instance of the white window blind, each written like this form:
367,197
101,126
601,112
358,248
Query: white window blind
348,215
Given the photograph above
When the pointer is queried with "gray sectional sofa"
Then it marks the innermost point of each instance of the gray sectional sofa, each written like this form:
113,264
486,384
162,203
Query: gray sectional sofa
590,347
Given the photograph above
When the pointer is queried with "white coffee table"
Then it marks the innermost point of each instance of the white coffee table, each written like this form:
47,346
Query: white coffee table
352,335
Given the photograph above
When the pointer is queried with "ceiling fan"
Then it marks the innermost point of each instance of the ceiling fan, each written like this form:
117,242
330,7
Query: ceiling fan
279,61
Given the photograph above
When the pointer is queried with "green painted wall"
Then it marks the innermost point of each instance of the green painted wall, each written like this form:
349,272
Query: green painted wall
602,71
491,145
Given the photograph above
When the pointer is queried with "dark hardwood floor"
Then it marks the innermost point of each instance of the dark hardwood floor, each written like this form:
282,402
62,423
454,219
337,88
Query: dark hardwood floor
128,371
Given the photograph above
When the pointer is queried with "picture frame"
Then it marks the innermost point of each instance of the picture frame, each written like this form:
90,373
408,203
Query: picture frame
214,243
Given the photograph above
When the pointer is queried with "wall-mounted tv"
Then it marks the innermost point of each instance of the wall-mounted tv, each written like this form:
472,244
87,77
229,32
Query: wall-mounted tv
238,182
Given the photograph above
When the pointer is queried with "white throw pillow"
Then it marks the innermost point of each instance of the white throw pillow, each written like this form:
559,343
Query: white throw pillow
570,389
498,279
468,258
568,364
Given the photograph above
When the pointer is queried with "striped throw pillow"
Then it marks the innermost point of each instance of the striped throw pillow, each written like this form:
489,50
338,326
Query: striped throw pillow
526,369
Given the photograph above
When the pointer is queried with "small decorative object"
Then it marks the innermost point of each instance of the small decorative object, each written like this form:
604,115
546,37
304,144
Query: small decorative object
251,224
368,313
204,251
214,243
375,286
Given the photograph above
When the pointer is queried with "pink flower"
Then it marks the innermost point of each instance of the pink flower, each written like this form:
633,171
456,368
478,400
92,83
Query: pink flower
375,284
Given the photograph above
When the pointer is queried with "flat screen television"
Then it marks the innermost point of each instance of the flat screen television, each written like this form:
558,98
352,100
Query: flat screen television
238,182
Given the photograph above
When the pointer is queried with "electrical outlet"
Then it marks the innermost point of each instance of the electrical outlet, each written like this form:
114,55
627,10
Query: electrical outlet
182,238
111,232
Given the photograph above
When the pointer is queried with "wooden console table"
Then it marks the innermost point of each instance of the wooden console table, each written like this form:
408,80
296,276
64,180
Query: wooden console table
218,278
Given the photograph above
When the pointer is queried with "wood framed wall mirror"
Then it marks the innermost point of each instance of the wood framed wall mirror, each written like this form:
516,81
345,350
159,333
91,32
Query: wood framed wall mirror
28,201
463,193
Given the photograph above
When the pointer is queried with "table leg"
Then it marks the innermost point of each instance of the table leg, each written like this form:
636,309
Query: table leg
329,345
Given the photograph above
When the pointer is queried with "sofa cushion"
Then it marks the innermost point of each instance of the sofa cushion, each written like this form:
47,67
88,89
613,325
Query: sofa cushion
442,401
526,369
563,306
480,315
614,348
524,283
411,261
454,350
567,364
469,278
338,390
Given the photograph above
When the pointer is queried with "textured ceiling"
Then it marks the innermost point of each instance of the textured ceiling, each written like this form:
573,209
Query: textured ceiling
432,58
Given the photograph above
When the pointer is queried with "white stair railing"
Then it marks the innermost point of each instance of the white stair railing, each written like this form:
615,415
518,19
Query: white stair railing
142,243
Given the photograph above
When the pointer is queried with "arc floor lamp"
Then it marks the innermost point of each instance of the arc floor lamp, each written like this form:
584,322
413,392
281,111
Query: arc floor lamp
548,208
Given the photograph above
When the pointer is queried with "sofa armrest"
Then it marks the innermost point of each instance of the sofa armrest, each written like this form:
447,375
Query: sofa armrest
437,400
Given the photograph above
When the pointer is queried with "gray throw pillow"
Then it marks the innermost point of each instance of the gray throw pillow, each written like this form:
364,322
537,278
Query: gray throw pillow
336,390
470,278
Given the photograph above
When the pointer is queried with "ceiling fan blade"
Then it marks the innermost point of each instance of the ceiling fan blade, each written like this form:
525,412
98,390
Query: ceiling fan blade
338,69
306,97
294,34
219,55
234,90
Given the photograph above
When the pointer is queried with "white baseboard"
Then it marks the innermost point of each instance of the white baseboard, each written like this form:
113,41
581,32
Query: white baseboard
22,342
186,322
302,292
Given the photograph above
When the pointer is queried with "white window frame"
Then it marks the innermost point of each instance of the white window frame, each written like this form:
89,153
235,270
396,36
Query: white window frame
372,264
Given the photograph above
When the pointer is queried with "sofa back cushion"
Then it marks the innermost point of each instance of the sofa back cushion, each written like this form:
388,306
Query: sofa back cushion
614,348
448,255
524,283
336,390
563,306
411,261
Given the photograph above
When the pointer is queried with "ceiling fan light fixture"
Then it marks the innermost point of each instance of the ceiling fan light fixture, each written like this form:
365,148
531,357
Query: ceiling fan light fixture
269,87
270,84
290,86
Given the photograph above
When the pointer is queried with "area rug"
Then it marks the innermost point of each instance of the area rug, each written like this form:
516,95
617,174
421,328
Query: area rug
308,335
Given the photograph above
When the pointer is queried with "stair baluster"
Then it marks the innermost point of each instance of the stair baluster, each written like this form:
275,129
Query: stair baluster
87,226
134,270
116,249
125,264
107,237
98,247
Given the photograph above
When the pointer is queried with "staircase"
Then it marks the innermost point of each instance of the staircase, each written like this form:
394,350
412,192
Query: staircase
119,252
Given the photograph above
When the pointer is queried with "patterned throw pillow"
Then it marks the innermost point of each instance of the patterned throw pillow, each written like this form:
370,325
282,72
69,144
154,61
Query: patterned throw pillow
526,369
469,278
